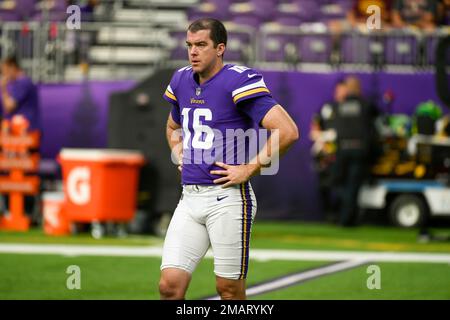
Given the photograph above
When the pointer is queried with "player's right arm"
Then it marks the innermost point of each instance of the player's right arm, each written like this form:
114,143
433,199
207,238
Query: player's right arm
173,127
175,140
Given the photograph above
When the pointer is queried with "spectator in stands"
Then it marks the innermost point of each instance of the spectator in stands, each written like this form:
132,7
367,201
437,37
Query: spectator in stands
444,12
18,94
358,15
87,10
415,13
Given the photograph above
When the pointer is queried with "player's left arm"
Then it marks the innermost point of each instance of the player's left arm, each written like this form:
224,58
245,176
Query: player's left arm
283,128
277,119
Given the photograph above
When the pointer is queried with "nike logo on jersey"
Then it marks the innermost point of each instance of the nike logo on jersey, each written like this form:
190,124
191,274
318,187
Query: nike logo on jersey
221,198
252,75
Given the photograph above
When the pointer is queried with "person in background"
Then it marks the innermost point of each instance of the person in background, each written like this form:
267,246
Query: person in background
421,14
19,95
443,10
355,128
323,134
87,10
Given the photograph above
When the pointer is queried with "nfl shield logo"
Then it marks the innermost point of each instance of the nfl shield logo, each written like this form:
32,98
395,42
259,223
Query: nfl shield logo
198,91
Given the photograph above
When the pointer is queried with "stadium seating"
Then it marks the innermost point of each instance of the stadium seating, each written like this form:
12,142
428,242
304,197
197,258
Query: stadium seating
239,47
360,49
135,33
315,48
402,49
279,47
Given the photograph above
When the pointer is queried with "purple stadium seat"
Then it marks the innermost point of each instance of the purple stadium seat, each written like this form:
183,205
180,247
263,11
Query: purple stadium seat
238,47
401,49
52,16
247,19
246,14
264,8
9,16
179,52
285,19
212,9
360,48
56,13
278,47
26,8
315,48
60,5
332,11
221,4
265,3
309,10
287,15
196,14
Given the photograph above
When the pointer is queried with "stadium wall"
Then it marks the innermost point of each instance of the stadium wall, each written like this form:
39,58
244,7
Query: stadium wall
75,115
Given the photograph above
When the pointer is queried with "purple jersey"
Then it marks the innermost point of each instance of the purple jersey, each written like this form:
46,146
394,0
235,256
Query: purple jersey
233,101
25,93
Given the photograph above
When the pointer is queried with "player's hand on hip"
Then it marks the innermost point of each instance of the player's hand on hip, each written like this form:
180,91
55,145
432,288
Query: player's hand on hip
180,163
232,175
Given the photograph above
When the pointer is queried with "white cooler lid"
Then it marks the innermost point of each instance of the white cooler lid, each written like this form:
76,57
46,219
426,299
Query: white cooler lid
100,154
53,195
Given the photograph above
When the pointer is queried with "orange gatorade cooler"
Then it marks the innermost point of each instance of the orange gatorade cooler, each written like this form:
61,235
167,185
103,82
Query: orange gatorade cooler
55,220
100,184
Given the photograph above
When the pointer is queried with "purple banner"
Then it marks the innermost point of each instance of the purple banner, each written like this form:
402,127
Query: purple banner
76,115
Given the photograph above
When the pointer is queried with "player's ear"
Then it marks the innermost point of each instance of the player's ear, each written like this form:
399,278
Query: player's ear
220,49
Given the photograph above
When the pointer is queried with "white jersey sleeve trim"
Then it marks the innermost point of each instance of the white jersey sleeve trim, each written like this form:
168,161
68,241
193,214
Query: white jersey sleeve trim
258,84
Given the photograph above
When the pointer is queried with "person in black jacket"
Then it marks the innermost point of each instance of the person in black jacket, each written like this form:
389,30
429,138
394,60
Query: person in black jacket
355,129
323,135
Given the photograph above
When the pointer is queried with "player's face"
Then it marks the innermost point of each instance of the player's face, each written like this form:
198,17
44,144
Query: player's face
202,54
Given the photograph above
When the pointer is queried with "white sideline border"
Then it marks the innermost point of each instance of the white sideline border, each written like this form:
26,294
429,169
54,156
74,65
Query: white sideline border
257,254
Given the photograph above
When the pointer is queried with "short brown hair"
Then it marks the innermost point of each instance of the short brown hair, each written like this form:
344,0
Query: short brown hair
218,33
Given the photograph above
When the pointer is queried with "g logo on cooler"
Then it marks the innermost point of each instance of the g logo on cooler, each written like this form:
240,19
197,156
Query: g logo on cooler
79,186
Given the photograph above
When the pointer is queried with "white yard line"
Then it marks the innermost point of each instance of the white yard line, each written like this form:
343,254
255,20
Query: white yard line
257,254
293,279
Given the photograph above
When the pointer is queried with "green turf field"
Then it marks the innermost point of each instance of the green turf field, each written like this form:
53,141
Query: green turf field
44,277
398,281
32,276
